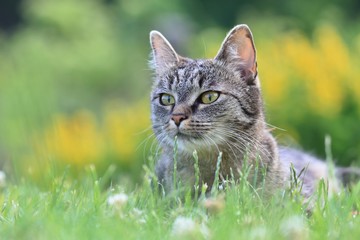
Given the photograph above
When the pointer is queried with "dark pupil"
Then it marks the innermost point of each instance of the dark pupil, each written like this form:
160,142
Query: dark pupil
209,97
168,99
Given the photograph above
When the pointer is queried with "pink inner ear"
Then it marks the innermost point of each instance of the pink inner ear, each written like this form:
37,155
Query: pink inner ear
245,50
161,49
238,49
164,54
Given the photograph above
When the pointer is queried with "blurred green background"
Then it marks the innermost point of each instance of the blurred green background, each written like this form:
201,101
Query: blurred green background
75,81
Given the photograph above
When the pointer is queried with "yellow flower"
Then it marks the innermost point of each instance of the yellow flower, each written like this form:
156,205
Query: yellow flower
124,126
75,139
332,51
80,139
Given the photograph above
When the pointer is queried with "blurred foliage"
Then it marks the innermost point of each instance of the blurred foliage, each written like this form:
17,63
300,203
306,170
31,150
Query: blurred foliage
74,77
302,15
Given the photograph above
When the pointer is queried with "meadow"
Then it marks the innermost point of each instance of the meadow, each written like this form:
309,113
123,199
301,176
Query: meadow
76,146
82,209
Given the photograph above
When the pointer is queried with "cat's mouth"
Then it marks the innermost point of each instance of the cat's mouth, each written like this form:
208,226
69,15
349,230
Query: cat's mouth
187,137
190,142
183,136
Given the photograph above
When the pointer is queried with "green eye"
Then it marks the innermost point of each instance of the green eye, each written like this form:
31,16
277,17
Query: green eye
209,97
167,99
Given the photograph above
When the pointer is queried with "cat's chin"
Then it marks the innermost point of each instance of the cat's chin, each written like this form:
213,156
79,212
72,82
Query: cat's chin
188,144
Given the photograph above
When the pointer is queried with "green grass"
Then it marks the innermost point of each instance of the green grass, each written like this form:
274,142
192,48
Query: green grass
80,209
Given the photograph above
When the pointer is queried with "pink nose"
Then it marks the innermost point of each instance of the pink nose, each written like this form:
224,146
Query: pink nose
178,118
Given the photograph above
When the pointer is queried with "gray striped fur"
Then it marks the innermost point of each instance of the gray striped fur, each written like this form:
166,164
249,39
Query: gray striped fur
234,124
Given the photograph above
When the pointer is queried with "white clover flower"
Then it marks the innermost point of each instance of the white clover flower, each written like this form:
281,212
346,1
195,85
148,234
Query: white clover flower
294,228
2,179
184,227
118,200
259,232
138,215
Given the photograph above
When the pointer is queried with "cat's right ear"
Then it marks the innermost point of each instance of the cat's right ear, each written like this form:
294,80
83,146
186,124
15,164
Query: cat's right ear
163,54
238,51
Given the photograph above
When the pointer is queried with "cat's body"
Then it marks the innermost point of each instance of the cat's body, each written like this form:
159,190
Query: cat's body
214,106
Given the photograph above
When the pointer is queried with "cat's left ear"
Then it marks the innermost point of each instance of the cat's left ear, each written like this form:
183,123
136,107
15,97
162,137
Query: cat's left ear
238,51
163,54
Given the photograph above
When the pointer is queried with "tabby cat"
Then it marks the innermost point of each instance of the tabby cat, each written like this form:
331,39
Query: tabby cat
215,105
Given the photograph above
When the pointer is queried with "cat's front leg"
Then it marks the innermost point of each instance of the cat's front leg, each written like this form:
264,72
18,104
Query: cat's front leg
175,177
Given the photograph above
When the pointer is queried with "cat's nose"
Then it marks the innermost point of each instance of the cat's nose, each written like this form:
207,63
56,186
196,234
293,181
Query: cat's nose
178,118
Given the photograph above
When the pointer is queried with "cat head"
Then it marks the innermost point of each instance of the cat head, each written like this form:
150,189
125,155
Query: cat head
206,103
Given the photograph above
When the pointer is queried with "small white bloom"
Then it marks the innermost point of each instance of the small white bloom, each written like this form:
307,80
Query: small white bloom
118,200
2,179
259,232
294,228
138,215
141,220
183,226
137,212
